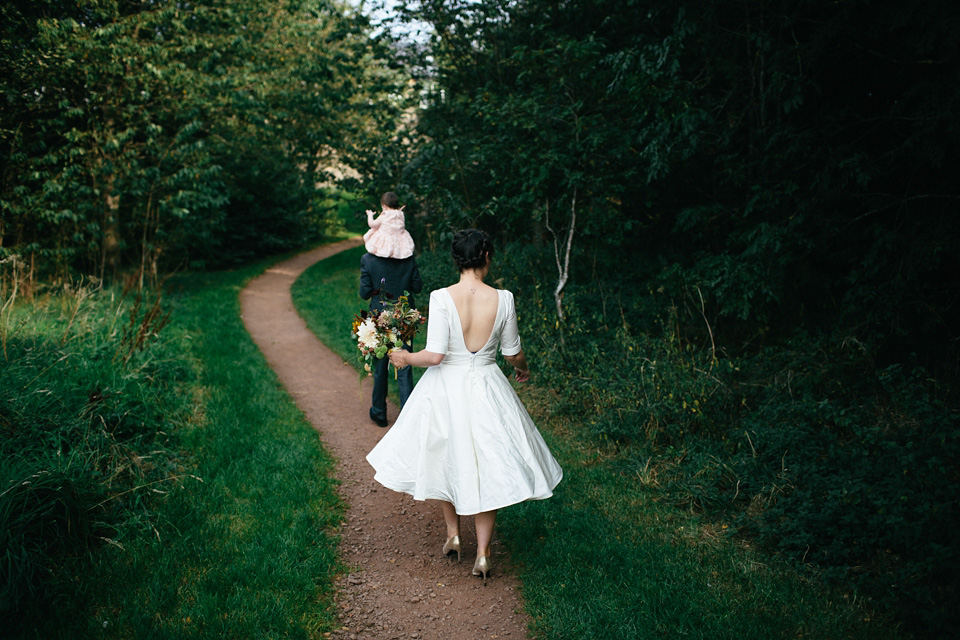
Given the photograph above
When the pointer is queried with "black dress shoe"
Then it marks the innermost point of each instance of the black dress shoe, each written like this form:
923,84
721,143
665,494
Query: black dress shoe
380,422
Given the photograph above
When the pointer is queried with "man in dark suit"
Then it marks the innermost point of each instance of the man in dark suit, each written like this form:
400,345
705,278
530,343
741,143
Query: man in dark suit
381,276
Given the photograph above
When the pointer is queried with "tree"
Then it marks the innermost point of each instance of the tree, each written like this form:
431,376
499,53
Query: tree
157,133
542,108
790,160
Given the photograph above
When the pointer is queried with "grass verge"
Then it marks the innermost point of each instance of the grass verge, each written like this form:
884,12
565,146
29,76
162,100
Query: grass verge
326,296
243,544
607,557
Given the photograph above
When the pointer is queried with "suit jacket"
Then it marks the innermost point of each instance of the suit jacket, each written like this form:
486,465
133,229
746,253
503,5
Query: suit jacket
388,275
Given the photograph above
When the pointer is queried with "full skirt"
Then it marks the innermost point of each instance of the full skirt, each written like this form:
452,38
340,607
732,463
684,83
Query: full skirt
465,437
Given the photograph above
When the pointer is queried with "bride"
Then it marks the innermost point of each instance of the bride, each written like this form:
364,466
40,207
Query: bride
464,437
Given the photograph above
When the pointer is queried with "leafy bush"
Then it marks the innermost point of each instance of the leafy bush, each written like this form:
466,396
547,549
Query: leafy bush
846,467
855,473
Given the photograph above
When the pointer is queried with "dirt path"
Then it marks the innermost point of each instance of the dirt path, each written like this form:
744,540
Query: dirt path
400,585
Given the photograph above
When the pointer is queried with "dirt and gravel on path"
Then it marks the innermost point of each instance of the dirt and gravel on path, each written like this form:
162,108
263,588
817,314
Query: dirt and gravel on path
399,583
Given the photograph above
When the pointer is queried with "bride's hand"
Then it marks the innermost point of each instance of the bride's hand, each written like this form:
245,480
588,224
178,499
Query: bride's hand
399,358
522,375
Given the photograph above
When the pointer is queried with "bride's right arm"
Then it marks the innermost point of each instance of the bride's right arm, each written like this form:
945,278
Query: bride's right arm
520,368
438,334
422,358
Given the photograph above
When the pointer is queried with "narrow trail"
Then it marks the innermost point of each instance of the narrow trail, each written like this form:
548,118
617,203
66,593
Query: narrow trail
399,585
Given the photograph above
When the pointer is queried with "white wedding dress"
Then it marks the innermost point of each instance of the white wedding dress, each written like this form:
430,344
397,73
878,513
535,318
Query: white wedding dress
463,435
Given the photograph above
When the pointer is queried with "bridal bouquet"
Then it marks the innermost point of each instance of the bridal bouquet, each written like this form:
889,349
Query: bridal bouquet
379,333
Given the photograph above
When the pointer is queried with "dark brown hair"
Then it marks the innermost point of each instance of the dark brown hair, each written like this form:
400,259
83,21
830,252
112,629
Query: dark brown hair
390,200
470,249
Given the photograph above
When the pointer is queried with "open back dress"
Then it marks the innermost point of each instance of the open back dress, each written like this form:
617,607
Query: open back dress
463,435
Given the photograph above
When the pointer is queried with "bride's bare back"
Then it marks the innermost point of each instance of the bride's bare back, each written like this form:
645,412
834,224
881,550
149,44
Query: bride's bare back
477,307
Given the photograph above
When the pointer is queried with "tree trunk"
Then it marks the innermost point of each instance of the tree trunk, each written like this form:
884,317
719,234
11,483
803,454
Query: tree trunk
563,266
110,260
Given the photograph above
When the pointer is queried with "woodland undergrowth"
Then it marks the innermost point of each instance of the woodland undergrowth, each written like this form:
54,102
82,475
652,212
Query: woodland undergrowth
844,465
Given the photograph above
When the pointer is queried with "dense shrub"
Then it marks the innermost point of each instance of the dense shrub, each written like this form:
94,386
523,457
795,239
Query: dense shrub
855,472
805,444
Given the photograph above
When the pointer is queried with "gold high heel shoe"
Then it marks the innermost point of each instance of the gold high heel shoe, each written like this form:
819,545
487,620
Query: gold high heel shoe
482,567
452,545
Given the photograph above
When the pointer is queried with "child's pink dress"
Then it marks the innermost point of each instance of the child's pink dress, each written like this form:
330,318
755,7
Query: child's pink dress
388,236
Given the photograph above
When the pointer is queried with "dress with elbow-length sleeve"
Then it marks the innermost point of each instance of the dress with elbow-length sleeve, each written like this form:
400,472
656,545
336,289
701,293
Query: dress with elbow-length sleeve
464,436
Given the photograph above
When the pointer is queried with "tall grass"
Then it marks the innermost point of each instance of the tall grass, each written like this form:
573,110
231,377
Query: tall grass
611,556
90,395
242,541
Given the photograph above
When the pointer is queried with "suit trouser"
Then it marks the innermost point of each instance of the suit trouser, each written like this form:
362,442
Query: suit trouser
381,373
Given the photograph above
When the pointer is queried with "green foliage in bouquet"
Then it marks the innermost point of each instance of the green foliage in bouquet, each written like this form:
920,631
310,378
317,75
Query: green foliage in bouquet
381,332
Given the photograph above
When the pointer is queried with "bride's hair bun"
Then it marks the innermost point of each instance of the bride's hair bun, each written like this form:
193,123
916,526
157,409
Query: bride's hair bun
470,249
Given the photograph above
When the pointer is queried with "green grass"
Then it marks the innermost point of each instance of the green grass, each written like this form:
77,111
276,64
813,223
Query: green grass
86,412
243,544
607,557
327,296
648,569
